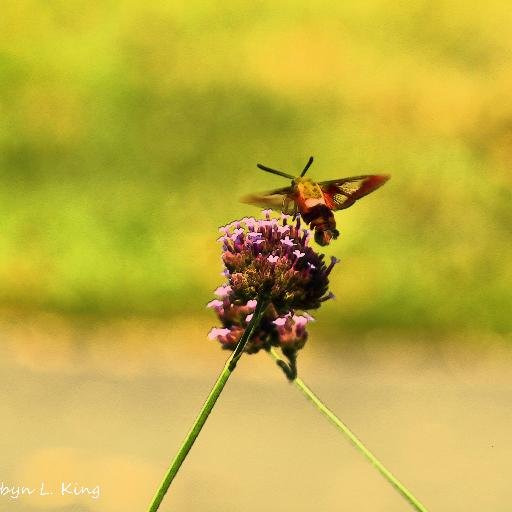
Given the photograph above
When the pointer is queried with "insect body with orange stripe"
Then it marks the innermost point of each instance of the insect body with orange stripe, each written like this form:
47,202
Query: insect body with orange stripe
316,201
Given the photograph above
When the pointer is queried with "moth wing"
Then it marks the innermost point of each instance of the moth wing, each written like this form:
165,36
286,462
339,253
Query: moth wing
342,193
279,199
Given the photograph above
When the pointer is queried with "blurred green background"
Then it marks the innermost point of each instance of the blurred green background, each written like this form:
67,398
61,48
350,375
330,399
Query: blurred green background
129,130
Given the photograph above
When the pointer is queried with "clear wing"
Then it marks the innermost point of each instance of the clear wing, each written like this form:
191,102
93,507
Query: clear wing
279,199
342,193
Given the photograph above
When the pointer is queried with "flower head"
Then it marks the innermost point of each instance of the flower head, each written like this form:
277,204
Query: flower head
287,331
270,260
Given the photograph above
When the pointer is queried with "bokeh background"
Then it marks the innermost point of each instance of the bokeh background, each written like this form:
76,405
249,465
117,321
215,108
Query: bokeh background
127,133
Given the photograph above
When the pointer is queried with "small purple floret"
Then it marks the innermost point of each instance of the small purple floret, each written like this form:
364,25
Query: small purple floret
216,303
223,291
216,332
287,241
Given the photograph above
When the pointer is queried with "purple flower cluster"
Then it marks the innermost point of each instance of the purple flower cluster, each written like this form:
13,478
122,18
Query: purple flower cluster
285,331
270,260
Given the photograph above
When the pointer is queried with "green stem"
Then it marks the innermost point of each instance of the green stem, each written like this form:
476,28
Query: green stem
355,441
207,407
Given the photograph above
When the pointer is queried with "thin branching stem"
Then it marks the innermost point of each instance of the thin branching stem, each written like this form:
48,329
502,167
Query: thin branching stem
207,407
399,486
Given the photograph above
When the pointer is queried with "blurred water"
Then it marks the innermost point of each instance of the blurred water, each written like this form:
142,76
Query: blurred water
109,404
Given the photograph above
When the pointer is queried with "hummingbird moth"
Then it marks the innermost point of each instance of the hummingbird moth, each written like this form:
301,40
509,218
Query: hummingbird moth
316,201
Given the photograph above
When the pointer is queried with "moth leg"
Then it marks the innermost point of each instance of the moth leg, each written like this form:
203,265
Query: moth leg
289,206
286,205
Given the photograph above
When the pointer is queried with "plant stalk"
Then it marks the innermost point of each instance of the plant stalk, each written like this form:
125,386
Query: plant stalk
207,407
399,486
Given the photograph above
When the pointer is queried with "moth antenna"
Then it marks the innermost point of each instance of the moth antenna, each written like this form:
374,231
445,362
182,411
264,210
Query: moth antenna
308,165
275,171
